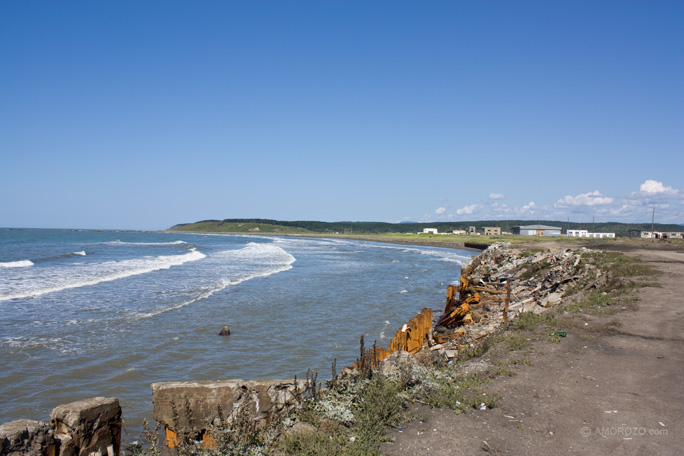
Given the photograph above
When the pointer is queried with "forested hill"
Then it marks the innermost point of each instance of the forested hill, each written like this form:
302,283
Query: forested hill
314,227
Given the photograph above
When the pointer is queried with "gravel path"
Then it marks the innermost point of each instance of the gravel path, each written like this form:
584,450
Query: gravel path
613,386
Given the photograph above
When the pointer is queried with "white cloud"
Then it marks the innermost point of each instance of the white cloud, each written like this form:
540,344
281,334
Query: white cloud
467,210
633,206
636,206
529,208
653,187
585,199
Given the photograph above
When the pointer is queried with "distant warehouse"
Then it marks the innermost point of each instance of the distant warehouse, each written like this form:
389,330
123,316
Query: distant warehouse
537,230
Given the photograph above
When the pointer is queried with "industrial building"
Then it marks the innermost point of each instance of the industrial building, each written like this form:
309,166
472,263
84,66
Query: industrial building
537,230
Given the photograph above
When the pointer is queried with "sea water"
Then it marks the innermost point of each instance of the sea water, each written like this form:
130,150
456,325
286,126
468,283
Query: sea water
90,313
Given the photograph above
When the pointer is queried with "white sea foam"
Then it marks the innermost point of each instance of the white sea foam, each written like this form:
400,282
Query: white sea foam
445,254
117,242
17,264
81,253
254,260
202,295
47,281
382,331
38,342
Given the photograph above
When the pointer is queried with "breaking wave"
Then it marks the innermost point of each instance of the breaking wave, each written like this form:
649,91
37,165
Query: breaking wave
46,281
17,264
117,242
254,260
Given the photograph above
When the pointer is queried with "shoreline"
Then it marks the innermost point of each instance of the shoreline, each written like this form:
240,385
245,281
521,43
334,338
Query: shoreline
481,242
461,245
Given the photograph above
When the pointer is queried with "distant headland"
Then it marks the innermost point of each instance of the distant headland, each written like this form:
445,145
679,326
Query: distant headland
268,226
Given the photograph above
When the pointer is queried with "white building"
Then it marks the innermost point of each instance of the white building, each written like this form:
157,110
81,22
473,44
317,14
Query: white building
587,234
602,235
430,230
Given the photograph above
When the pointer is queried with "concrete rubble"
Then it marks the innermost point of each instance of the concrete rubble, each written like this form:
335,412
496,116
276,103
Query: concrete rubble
81,428
22,437
501,282
192,408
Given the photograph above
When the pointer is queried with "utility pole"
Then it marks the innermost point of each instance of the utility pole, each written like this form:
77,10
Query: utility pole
652,224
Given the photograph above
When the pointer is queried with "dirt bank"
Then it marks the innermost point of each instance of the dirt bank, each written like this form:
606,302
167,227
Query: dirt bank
613,386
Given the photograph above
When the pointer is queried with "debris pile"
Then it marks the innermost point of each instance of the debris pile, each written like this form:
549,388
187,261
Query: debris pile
501,282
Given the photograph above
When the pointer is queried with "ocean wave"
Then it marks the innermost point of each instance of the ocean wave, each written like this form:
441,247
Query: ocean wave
444,254
223,284
40,282
17,264
38,342
61,255
118,242
259,254
256,260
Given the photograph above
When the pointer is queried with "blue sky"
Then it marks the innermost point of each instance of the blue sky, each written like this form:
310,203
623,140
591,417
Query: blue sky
144,114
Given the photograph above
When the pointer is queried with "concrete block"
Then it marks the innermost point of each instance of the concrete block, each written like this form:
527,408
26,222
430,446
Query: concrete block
26,437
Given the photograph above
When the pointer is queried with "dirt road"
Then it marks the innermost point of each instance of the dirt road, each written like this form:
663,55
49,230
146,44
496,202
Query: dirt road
613,386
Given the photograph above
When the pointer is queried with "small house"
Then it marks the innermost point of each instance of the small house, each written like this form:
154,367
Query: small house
492,231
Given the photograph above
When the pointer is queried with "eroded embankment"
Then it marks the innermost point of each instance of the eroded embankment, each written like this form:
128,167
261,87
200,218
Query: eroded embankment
496,286
501,283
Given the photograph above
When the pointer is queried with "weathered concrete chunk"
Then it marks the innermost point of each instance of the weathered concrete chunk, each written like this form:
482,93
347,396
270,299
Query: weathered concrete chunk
87,412
551,300
172,400
26,437
191,407
88,426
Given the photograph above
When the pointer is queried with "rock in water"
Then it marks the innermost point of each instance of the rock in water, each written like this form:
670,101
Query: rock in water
225,331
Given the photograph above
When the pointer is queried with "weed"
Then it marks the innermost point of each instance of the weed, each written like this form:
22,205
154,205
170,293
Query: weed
523,361
368,359
516,342
529,321
380,407
313,443
501,372
526,321
620,265
478,350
